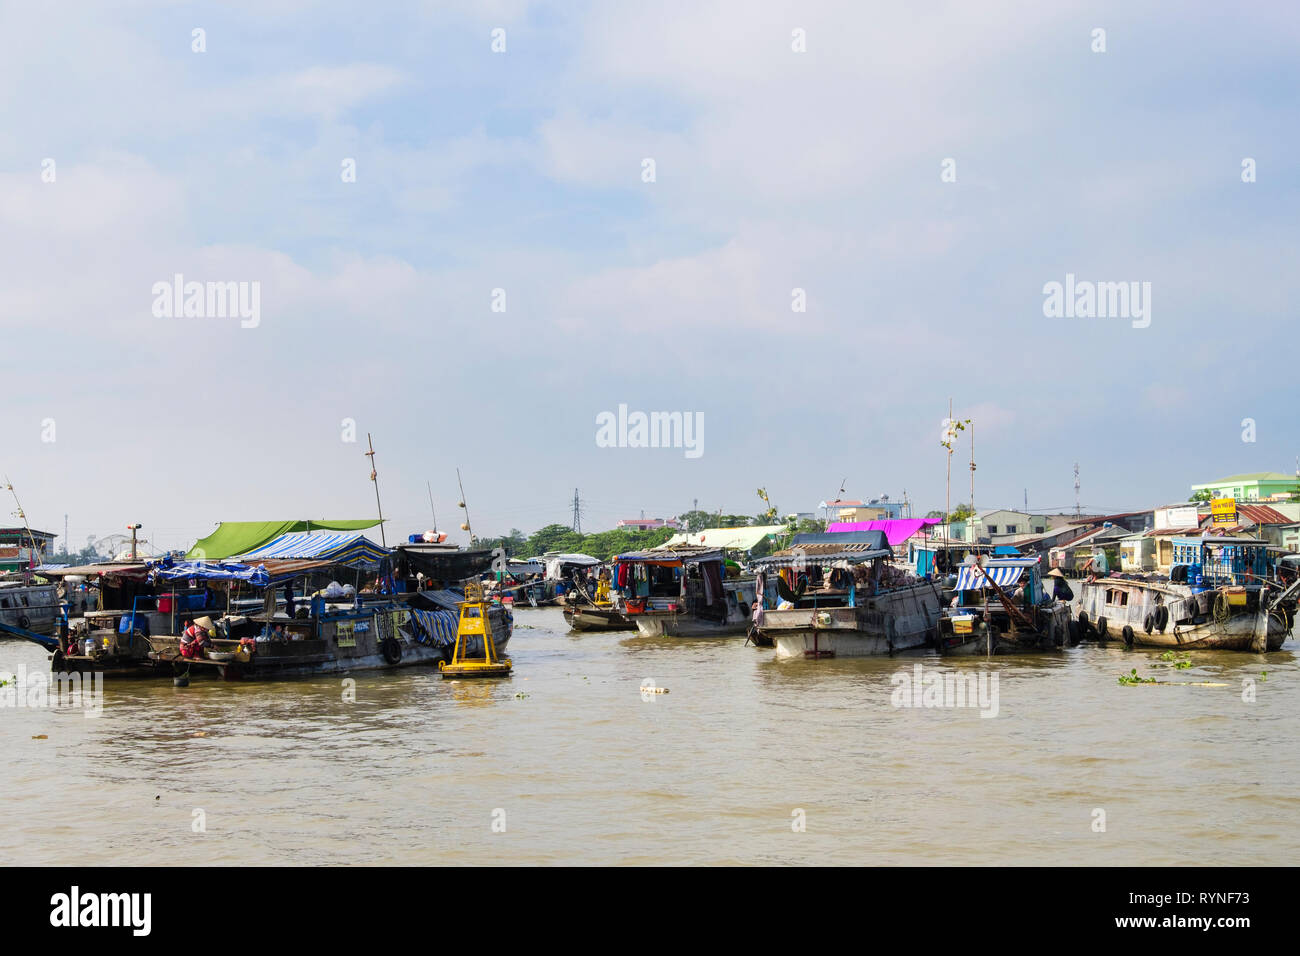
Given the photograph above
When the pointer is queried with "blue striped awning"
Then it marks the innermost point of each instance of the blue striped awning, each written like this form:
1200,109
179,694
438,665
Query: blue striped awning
350,548
437,628
971,579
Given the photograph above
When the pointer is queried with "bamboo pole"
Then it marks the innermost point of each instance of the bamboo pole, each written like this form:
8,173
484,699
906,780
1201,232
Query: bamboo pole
374,476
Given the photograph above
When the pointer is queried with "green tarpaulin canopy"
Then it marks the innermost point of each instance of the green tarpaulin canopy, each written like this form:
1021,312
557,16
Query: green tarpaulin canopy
240,537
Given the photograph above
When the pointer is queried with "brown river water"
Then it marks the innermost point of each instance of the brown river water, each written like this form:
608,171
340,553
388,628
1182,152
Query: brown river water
746,760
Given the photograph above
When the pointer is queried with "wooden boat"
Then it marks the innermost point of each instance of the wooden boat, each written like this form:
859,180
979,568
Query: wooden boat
588,617
585,612
1221,593
837,595
323,633
379,632
32,607
684,591
520,591
989,620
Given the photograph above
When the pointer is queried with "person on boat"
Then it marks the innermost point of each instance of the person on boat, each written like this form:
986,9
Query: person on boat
1060,587
192,640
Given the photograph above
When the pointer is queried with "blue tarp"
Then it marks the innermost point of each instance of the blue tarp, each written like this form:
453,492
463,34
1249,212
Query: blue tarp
213,571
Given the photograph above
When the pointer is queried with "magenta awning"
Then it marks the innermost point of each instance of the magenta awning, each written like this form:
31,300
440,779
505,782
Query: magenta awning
896,530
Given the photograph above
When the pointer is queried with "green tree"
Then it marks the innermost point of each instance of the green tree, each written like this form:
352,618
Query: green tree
732,521
696,520
514,543
554,537
1200,496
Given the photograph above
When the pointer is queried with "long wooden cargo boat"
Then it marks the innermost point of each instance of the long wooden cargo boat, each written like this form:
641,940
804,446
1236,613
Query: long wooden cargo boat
1221,593
321,629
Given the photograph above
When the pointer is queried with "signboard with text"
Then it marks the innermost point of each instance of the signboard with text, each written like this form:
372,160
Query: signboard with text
1223,511
1185,517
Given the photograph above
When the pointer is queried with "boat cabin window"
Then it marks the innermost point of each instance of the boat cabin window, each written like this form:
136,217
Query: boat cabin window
1117,596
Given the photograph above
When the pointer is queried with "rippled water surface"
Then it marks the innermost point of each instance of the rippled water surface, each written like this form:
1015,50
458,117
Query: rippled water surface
582,768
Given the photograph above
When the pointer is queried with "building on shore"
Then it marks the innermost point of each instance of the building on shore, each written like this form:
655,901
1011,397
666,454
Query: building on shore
877,509
21,549
1255,486
990,524
649,524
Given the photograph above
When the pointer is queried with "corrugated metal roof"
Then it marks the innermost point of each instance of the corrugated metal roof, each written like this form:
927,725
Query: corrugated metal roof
673,552
822,553
1262,514
127,568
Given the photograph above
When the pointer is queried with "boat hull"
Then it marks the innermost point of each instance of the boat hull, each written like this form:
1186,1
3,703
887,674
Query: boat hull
1238,635
895,622
597,619
682,625
1189,620
289,662
283,659
33,607
829,642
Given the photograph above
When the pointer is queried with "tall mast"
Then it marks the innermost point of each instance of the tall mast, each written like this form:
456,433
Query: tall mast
972,471
466,526
23,514
374,476
947,494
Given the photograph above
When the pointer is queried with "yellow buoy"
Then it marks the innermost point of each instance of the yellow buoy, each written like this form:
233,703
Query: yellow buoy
474,623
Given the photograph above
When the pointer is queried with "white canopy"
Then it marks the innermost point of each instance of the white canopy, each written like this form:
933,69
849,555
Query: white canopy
555,563
739,539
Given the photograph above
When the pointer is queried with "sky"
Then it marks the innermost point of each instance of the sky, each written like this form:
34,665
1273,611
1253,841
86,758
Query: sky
850,216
